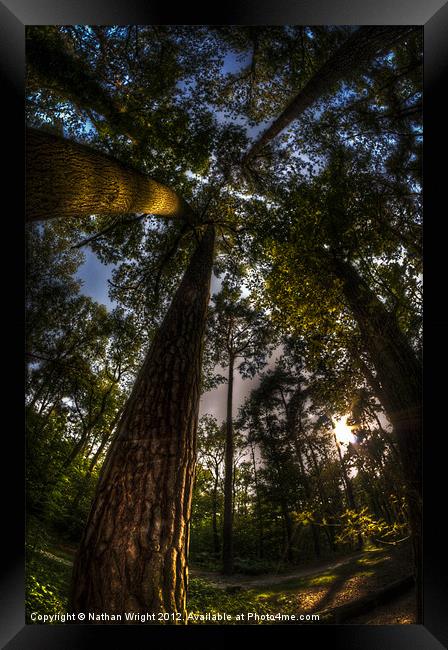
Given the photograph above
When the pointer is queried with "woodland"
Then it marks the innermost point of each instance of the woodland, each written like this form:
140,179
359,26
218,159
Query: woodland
254,197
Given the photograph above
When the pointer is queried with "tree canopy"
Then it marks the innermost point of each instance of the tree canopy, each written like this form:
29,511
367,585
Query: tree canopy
283,164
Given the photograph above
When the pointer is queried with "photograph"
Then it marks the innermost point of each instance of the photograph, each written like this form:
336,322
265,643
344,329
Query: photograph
223,327
224,386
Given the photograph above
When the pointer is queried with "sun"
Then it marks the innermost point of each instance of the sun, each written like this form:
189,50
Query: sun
343,431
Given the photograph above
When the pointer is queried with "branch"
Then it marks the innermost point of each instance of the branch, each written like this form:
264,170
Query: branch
113,226
357,51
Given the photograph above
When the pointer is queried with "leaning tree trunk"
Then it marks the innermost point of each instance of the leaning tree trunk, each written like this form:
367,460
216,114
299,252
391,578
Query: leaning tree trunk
353,55
133,554
67,179
227,538
399,387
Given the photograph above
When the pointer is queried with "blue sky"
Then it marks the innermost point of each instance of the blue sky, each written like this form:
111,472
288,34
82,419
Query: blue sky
92,272
94,276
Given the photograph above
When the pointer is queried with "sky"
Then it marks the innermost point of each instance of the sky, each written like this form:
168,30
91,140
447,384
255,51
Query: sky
95,275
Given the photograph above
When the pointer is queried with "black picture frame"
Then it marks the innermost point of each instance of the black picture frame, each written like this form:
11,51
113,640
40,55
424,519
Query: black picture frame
433,16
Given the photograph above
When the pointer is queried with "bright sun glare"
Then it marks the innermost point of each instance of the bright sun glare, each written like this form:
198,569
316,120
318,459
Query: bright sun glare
343,431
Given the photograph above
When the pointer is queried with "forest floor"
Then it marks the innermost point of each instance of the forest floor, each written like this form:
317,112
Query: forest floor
331,584
315,588
244,581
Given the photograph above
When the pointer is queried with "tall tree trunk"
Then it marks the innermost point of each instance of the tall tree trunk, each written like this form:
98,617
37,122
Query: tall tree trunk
259,508
353,55
67,179
133,554
289,535
329,532
345,479
77,448
348,485
306,487
399,388
104,440
294,410
227,540
216,540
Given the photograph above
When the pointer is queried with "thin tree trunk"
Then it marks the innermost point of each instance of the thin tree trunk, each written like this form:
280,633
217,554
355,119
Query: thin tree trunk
353,55
133,554
345,478
287,552
348,486
296,433
216,541
329,532
398,375
227,541
386,435
259,509
306,487
104,440
77,448
66,179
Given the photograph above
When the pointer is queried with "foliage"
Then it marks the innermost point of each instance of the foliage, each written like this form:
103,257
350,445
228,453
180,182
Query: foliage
204,598
362,522
340,186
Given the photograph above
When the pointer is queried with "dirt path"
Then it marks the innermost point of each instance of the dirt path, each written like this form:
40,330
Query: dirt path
246,582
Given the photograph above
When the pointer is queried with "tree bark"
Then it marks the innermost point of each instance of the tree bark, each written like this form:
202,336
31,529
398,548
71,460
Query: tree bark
216,540
259,507
67,179
227,541
133,554
353,55
399,378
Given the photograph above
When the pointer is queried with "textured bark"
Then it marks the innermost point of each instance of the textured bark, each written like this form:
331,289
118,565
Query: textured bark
67,179
53,67
359,49
227,540
133,554
399,379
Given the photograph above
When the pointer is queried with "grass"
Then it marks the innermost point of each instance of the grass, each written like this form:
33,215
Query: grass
49,574
47,584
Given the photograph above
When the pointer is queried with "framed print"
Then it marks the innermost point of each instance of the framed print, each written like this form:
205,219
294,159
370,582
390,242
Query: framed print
224,320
